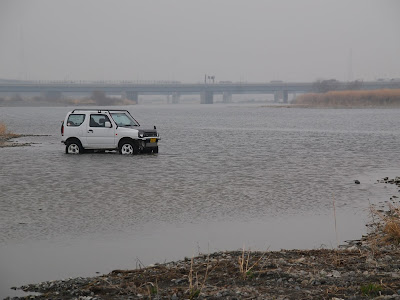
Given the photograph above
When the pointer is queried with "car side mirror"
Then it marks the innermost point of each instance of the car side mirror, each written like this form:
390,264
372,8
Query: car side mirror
107,124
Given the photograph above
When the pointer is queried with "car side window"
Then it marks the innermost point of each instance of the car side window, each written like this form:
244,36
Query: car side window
75,120
98,120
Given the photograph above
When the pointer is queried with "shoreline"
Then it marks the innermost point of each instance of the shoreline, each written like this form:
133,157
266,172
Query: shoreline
368,268
358,271
5,140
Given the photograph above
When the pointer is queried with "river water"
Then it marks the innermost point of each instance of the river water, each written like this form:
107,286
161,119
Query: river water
226,177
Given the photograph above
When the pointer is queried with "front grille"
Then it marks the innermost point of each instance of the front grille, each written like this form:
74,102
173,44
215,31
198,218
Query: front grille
149,134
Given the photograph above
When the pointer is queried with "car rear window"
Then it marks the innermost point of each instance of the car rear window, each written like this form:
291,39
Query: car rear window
75,119
98,120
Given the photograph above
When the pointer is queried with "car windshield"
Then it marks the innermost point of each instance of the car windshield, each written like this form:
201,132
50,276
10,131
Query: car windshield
123,119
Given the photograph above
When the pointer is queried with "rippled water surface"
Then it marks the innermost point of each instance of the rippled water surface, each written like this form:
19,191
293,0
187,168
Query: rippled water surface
226,175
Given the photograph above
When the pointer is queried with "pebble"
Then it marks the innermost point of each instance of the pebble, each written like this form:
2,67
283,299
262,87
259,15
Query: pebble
388,258
304,282
336,274
281,261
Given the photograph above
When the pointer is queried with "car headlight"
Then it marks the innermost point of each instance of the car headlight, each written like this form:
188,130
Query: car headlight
141,134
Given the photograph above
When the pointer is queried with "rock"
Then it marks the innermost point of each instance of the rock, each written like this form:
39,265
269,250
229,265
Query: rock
395,275
352,248
336,274
281,261
302,273
181,280
387,258
356,181
370,261
300,260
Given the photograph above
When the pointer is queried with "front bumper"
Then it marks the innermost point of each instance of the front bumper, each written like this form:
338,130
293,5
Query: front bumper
148,142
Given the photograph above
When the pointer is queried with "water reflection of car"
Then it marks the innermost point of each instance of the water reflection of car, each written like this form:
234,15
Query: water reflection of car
96,129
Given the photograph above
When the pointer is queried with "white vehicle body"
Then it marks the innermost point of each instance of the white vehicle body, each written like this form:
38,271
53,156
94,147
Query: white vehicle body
97,129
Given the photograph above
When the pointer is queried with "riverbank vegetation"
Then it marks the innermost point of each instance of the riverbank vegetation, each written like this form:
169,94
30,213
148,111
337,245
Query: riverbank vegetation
386,224
6,135
349,99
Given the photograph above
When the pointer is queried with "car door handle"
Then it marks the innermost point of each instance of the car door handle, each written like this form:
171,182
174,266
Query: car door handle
90,131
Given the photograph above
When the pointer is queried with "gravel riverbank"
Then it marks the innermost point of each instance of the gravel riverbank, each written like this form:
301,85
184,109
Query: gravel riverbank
357,272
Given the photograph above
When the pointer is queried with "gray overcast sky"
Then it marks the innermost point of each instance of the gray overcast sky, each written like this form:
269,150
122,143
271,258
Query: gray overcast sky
253,41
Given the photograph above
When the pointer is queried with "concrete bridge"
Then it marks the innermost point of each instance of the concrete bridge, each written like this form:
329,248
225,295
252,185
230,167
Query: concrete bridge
280,90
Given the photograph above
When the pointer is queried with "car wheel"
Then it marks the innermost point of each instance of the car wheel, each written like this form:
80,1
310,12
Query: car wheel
128,147
73,147
155,150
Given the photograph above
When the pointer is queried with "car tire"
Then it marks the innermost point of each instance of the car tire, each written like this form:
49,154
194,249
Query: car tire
128,147
155,150
73,147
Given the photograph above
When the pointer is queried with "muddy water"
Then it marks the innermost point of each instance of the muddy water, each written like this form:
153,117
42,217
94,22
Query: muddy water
226,176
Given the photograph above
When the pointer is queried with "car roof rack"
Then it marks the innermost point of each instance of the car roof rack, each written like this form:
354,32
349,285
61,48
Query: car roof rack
98,110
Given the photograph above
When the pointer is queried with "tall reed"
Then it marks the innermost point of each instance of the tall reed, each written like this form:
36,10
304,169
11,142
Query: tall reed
380,98
3,129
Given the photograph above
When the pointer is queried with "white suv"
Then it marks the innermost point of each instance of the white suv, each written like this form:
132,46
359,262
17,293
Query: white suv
93,129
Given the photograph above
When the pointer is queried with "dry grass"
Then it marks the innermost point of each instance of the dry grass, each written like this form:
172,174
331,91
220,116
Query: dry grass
243,261
194,284
3,129
6,135
379,98
388,225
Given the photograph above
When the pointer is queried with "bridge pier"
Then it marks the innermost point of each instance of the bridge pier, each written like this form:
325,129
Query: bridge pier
285,96
207,97
132,96
175,97
226,97
276,96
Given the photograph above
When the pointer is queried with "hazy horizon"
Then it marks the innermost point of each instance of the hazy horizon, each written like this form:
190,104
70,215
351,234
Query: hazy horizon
255,41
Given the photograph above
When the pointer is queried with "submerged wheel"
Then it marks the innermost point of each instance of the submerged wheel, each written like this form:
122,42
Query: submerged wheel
73,147
155,149
128,147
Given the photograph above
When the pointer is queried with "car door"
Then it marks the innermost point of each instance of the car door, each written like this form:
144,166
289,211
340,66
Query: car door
98,135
